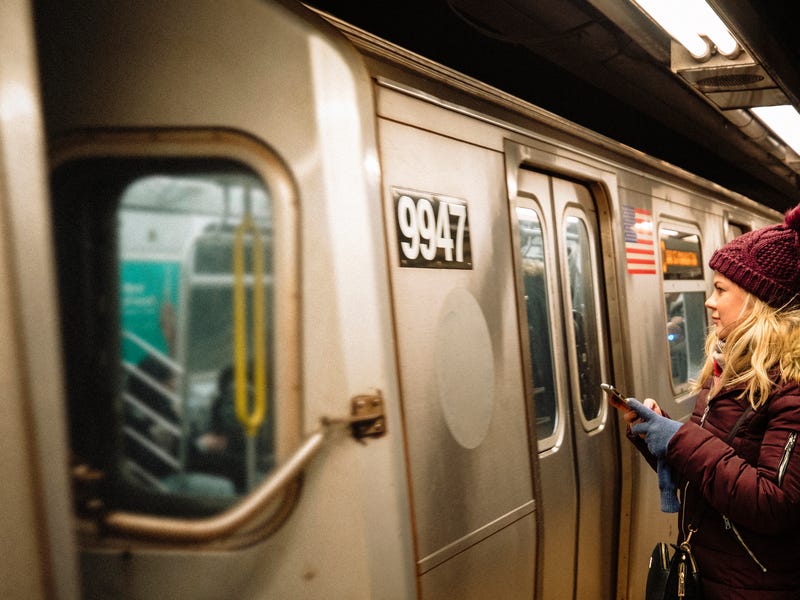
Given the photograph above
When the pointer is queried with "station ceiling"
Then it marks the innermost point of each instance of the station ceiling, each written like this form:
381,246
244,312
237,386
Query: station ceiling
606,66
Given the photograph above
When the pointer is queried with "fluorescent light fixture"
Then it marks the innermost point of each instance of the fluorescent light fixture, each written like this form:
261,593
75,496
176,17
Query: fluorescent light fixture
710,25
676,19
687,21
784,121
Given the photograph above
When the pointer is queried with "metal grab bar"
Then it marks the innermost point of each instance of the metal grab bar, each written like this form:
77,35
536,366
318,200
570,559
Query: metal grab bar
175,401
152,350
152,447
156,416
167,529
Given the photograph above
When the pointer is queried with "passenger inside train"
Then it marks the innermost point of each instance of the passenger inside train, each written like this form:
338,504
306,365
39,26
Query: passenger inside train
222,449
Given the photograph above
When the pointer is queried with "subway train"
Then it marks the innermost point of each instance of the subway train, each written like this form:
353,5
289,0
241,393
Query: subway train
292,312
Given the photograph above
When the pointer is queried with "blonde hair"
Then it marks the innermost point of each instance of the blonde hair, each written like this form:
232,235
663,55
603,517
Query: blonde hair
765,338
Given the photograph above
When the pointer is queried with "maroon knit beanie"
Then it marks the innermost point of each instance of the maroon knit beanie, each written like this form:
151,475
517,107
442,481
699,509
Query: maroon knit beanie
765,262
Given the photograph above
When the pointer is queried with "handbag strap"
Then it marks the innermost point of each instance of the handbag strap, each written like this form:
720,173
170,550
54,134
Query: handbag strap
739,423
691,525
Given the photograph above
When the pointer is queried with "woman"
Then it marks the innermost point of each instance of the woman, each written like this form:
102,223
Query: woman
742,495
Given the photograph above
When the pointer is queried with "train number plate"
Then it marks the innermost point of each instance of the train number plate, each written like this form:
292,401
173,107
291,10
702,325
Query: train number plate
432,230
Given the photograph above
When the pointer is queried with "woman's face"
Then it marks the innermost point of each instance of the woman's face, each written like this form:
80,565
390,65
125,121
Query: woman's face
728,303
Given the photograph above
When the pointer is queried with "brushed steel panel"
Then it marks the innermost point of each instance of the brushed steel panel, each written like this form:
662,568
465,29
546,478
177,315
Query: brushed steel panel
469,455
502,566
446,553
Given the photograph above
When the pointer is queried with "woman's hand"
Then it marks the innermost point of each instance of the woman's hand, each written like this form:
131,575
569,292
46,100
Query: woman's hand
631,417
657,429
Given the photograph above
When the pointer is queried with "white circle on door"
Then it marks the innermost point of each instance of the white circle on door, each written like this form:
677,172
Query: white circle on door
465,368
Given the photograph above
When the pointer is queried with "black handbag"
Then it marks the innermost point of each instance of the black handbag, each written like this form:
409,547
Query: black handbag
673,574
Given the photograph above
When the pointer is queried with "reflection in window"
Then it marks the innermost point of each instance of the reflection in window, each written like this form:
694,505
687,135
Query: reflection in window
684,304
181,298
536,307
735,229
686,319
584,315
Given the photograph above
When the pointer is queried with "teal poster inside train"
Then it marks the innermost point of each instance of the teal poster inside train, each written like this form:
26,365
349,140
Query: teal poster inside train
149,302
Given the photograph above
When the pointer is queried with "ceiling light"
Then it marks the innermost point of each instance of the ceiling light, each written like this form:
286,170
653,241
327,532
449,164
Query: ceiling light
710,25
784,121
690,22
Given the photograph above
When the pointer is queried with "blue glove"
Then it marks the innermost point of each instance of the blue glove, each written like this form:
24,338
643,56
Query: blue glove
657,430
666,484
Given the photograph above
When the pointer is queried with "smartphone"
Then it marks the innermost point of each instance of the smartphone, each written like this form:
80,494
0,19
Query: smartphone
618,399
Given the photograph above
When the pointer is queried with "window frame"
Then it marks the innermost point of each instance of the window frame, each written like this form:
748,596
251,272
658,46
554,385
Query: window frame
172,147
577,211
528,202
679,286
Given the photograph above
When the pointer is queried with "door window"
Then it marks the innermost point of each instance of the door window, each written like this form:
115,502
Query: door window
534,277
585,323
166,281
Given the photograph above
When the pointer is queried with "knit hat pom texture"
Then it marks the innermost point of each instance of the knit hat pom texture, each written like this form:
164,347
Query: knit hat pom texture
765,262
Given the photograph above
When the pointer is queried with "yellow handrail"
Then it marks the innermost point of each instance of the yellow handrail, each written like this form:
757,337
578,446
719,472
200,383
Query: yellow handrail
250,421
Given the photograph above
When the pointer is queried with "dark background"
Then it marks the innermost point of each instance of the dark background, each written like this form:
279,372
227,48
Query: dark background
567,57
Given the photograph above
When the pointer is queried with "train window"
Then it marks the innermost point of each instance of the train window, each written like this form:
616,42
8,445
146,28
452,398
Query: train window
684,303
534,278
165,275
734,230
584,314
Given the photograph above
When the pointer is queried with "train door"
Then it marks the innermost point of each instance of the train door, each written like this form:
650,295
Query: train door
173,315
458,352
223,299
557,228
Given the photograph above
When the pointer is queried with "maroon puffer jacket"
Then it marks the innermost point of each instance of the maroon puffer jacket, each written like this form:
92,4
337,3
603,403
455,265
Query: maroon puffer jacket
748,540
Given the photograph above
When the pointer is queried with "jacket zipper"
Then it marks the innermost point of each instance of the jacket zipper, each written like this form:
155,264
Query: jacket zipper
731,527
683,506
705,413
787,452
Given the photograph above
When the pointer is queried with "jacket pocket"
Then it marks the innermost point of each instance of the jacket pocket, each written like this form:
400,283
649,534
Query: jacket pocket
732,528
787,453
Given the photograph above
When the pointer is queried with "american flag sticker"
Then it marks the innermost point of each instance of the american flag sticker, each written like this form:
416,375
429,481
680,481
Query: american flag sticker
639,248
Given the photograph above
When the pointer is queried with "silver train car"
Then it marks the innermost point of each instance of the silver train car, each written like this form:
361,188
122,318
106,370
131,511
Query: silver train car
290,312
